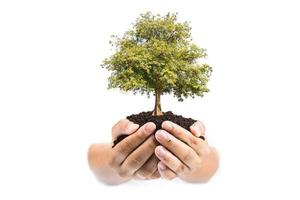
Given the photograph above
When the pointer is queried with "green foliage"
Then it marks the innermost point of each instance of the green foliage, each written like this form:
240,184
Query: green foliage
158,54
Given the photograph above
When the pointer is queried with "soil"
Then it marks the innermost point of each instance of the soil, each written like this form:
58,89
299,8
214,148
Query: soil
144,117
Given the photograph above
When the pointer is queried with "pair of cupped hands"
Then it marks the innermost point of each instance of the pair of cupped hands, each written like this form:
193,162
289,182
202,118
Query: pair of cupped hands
168,153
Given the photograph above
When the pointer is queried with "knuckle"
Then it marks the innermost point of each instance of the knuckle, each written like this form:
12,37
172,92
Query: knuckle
123,173
140,136
180,169
169,177
187,156
134,162
143,133
193,141
126,144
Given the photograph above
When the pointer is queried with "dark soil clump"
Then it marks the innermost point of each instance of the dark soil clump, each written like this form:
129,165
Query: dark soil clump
144,117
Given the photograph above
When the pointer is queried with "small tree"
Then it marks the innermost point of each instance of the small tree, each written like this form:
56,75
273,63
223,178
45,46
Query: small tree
158,56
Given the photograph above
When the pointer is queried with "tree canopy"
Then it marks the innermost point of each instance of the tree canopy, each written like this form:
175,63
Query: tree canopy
157,55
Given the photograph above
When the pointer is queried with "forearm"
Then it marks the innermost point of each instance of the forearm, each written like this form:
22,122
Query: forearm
207,170
98,157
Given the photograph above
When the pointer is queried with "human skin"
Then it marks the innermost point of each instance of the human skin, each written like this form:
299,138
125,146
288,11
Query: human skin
170,152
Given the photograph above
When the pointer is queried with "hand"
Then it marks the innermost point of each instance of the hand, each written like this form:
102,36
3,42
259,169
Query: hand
183,154
134,155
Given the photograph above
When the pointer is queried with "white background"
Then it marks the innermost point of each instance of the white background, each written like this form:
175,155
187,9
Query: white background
54,102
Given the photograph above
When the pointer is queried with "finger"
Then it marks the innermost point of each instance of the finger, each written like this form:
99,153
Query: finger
181,150
130,143
155,175
138,157
198,129
170,160
197,144
165,172
138,177
123,127
147,170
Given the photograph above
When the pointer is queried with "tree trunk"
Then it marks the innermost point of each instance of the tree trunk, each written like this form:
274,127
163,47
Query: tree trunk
157,108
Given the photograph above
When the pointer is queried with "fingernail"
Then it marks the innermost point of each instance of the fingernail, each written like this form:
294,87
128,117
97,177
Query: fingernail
160,151
161,166
168,125
150,127
197,129
197,125
132,127
140,176
162,135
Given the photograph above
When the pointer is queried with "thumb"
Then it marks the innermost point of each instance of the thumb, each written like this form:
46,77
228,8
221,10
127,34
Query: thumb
198,129
124,128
